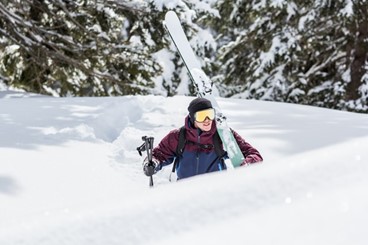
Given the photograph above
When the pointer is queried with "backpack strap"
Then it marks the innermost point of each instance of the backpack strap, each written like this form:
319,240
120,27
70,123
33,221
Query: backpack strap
182,141
217,144
220,152
180,148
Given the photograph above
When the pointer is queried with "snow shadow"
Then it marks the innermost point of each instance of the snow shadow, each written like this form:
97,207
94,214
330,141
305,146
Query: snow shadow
291,128
269,126
9,94
32,122
8,185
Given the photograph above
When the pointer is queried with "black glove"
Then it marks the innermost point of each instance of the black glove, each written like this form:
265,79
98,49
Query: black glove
150,167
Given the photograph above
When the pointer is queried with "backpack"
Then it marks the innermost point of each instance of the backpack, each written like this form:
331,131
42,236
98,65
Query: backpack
183,141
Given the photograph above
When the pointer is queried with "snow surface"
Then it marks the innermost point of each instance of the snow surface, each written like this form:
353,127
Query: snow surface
70,174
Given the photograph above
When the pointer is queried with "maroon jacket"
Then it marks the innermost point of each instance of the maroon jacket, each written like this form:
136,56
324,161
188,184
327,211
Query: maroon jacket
196,160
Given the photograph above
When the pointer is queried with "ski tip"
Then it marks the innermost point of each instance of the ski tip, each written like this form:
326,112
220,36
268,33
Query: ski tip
170,14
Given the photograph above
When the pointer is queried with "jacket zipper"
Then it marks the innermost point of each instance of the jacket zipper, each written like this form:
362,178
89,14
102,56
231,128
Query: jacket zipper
198,141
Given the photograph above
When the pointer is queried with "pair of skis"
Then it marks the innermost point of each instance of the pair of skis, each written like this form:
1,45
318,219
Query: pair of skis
204,86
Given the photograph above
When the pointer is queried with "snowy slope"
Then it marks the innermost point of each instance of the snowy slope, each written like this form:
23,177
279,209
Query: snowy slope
70,174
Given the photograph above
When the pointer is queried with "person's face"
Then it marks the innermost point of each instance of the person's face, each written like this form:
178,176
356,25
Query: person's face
204,119
205,125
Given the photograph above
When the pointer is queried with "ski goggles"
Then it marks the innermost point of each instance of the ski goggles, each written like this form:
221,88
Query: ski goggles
200,116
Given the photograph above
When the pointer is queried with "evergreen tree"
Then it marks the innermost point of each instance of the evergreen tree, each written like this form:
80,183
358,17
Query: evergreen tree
82,48
310,52
94,48
192,14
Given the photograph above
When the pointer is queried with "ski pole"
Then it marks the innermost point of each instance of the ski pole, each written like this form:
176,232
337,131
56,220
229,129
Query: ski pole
148,147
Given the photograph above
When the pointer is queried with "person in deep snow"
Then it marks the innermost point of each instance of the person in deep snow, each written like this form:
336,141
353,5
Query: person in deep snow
198,155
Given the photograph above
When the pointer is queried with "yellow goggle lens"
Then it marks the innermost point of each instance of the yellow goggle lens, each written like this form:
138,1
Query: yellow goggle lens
200,116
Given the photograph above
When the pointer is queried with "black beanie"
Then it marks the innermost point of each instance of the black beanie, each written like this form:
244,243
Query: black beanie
198,104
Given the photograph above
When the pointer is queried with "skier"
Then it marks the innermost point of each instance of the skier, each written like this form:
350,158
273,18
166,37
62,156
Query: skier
199,154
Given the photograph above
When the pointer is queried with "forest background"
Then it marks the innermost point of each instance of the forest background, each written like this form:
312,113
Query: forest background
305,52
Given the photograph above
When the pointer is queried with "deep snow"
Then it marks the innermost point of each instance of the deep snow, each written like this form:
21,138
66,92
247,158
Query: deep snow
70,174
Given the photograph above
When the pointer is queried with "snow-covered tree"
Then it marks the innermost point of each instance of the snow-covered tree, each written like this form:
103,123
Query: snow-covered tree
310,52
192,14
93,48
76,47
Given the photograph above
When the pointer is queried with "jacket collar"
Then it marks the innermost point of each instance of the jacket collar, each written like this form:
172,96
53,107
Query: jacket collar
193,133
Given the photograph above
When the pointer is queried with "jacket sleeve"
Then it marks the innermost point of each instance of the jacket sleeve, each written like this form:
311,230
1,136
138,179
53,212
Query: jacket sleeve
250,153
165,152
